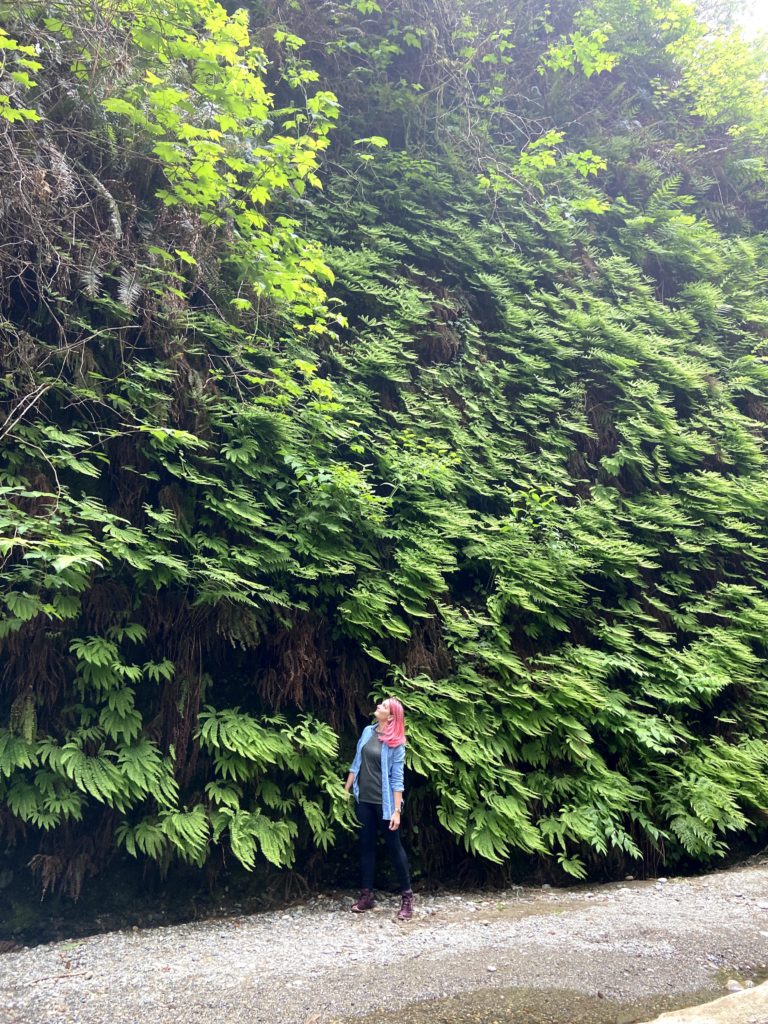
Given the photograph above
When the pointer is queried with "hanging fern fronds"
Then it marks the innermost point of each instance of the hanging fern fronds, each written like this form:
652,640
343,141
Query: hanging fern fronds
481,422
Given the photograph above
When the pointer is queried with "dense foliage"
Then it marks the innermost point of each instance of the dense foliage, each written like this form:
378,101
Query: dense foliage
391,346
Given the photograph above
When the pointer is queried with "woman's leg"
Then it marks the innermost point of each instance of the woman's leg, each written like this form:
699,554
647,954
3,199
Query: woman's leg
367,815
397,855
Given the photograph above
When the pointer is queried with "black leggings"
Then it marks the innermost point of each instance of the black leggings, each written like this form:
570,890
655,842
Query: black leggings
371,822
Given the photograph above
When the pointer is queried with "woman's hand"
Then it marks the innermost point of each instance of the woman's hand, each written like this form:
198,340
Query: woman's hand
394,822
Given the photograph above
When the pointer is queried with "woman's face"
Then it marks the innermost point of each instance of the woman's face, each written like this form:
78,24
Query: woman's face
381,713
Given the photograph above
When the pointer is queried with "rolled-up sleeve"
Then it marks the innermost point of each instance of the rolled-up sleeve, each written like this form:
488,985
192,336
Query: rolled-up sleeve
397,771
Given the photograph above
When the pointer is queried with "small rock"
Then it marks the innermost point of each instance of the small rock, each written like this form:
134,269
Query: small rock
629,878
491,969
546,886
662,881
734,986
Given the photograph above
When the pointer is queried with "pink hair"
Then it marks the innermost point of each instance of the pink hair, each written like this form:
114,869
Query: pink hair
393,733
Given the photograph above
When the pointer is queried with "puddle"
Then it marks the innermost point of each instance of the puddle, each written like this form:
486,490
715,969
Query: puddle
531,1006
745,978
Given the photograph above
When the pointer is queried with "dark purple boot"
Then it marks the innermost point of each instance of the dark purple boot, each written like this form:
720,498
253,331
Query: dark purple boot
405,913
365,902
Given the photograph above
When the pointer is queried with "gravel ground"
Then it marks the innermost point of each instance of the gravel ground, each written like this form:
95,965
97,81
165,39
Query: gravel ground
609,954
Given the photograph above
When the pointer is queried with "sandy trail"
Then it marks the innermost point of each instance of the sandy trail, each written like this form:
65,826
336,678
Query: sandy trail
607,954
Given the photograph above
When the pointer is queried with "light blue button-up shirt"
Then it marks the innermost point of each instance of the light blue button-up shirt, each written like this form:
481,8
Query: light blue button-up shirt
392,771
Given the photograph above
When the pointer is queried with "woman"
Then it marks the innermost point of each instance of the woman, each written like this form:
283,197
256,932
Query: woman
376,779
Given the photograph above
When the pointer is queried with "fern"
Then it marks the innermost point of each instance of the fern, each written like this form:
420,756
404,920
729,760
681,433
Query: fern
481,430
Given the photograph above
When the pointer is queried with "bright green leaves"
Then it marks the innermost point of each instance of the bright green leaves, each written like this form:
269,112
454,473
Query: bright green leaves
457,741
146,838
22,606
252,758
725,78
119,719
539,159
580,52
148,772
17,65
523,484
566,662
239,743
707,802
251,833
185,833
103,757
540,154
188,832
203,109
374,142
15,752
